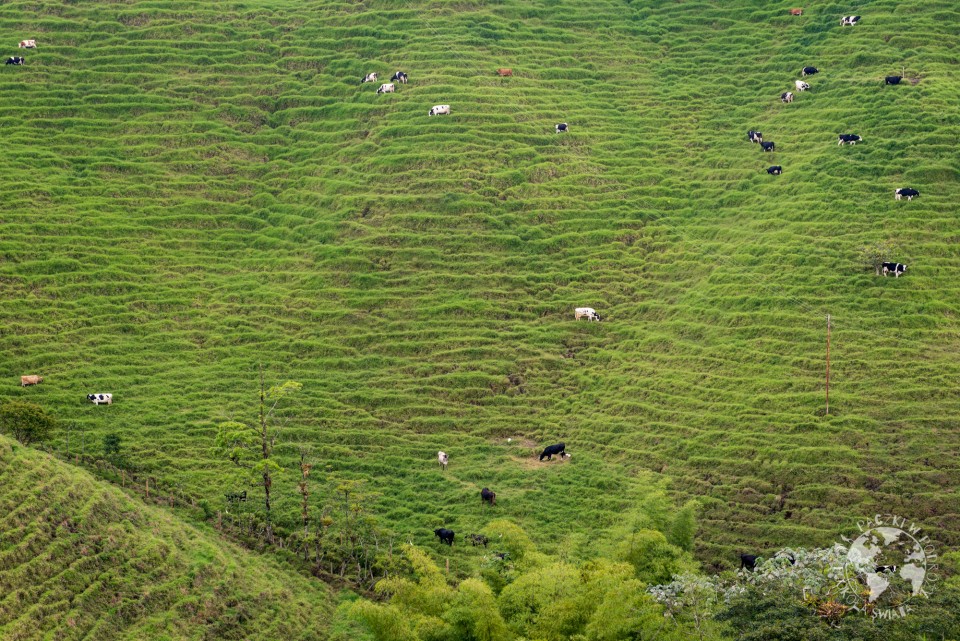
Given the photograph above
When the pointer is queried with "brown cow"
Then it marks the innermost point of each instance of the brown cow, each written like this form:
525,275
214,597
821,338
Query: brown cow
503,73
796,12
30,380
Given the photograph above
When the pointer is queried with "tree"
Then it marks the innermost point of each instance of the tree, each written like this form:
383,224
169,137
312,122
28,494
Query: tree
26,422
874,255
251,446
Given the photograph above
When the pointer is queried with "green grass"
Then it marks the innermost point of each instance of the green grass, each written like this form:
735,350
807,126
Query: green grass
190,189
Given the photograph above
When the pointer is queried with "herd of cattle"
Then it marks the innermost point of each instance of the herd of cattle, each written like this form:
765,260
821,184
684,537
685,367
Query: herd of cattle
96,399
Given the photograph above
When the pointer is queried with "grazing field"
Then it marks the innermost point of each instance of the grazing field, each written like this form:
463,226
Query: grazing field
190,189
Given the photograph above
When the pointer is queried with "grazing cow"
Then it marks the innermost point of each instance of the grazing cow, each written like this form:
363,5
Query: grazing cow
99,399
754,136
30,379
488,496
776,170
442,457
446,536
370,77
808,71
786,96
884,569
801,85
399,76
748,561
893,268
27,44
849,21
439,110
550,450
905,192
586,312
561,127
850,139
796,12
892,80
503,73
768,146
478,539
387,87
15,60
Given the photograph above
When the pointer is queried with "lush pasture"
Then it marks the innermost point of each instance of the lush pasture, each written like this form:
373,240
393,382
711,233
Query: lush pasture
193,188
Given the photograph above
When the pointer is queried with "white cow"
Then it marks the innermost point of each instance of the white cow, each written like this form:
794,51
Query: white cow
442,457
439,109
801,85
387,87
27,44
586,312
98,399
370,77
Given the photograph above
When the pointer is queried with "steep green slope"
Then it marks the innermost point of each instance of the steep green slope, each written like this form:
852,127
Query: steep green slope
192,188
81,560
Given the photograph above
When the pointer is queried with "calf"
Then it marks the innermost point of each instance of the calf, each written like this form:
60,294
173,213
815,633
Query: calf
439,110
796,12
370,77
561,127
754,136
15,60
586,312
488,496
786,96
892,80
478,539
442,457
503,73
446,536
30,379
905,192
849,21
27,44
776,170
768,146
550,450
808,71
748,561
99,399
801,85
850,139
893,268
399,77
387,87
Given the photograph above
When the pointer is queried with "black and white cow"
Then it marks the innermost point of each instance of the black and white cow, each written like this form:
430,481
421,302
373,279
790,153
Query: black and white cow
488,496
905,192
748,561
754,136
768,146
439,110
99,399
370,77
399,77
776,170
849,21
801,85
786,96
808,71
850,139
387,87
15,60
561,127
550,450
893,268
446,536
586,312
892,80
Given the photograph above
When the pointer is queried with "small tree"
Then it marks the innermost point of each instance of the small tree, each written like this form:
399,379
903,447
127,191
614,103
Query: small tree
26,422
875,254
251,446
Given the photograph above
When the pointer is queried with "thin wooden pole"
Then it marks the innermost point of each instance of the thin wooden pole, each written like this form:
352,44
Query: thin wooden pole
827,412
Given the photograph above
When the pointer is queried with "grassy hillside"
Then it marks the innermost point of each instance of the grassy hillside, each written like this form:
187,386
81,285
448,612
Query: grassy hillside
81,560
192,188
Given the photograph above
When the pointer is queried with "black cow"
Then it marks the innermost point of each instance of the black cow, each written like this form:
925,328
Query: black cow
809,71
775,170
905,192
748,561
893,268
561,127
768,146
446,536
754,136
488,496
478,540
892,80
850,139
399,76
15,60
550,450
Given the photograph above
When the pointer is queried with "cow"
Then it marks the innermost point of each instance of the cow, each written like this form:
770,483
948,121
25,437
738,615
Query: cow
892,80
399,77
387,87
370,77
754,136
850,139
503,73
768,146
849,21
439,110
478,539
893,268
796,12
488,496
550,450
586,312
442,457
99,399
776,170
15,60
27,44
236,497
446,536
905,191
748,561
561,127
30,379
786,96
884,569
801,85
808,71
